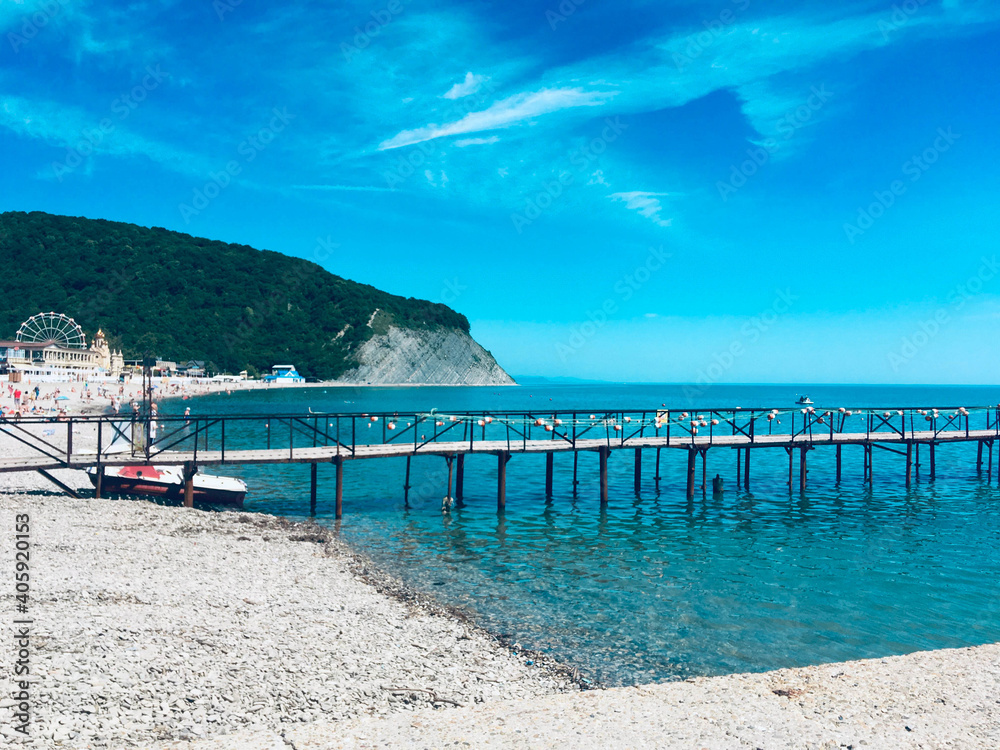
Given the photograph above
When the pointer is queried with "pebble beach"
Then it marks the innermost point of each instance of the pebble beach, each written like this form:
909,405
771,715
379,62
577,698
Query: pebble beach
184,629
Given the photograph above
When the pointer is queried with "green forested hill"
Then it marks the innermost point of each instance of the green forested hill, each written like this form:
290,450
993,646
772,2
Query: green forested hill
180,297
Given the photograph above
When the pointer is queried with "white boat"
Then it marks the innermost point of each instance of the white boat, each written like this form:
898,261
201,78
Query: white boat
168,481
804,400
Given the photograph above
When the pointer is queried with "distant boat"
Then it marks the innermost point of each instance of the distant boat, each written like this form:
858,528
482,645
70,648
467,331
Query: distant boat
804,400
168,481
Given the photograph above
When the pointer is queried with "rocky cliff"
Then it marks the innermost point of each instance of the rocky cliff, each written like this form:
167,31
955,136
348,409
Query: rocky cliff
443,356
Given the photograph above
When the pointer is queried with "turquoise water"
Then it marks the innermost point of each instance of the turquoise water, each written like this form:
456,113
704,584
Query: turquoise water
655,587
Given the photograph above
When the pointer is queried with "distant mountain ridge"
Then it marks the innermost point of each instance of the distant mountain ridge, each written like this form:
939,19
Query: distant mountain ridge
180,297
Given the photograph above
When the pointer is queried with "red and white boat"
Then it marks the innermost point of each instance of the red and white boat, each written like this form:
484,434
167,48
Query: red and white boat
168,481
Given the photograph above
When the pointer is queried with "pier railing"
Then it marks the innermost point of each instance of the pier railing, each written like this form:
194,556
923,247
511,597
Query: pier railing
148,439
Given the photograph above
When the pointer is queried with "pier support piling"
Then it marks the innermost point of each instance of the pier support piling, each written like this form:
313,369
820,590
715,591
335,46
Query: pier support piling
839,447
603,452
450,460
98,486
549,465
979,456
338,461
312,488
691,466
190,469
576,463
746,469
704,470
791,467
637,483
657,477
933,462
502,459
459,479
406,484
802,468
909,463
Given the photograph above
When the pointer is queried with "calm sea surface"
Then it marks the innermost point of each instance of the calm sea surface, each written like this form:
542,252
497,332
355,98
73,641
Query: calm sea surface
655,587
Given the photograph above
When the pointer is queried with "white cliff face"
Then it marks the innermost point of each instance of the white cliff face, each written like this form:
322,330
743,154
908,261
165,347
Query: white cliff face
432,357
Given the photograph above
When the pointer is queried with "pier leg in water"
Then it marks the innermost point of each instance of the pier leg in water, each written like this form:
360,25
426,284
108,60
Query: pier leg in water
502,459
739,457
460,479
979,457
638,470
657,477
604,451
802,468
791,466
691,466
989,462
933,462
190,470
406,484
312,489
746,469
704,471
338,461
549,461
838,463
446,503
576,461
909,463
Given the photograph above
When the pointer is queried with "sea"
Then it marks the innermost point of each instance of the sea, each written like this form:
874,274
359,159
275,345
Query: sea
655,587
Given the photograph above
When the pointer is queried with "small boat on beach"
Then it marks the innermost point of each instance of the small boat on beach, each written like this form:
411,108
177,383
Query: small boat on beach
168,482
804,400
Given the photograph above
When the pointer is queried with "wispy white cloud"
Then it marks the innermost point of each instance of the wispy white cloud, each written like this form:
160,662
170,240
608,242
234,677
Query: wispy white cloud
463,142
647,204
75,130
510,111
470,85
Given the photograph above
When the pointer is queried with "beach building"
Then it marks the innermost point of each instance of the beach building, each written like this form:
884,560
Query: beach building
51,346
284,375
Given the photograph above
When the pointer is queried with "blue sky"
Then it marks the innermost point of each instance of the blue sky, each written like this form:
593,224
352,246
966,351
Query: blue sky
731,191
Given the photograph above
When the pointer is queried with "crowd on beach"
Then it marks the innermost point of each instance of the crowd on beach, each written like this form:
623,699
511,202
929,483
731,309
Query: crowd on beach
54,399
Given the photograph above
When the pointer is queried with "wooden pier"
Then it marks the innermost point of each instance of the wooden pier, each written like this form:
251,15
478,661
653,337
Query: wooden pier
83,442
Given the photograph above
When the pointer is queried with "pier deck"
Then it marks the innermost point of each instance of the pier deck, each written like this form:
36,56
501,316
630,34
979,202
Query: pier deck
83,442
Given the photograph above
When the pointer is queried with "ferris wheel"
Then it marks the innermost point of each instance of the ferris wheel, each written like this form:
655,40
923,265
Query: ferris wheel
55,327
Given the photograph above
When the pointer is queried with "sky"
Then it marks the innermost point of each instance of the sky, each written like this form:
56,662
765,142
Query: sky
735,191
